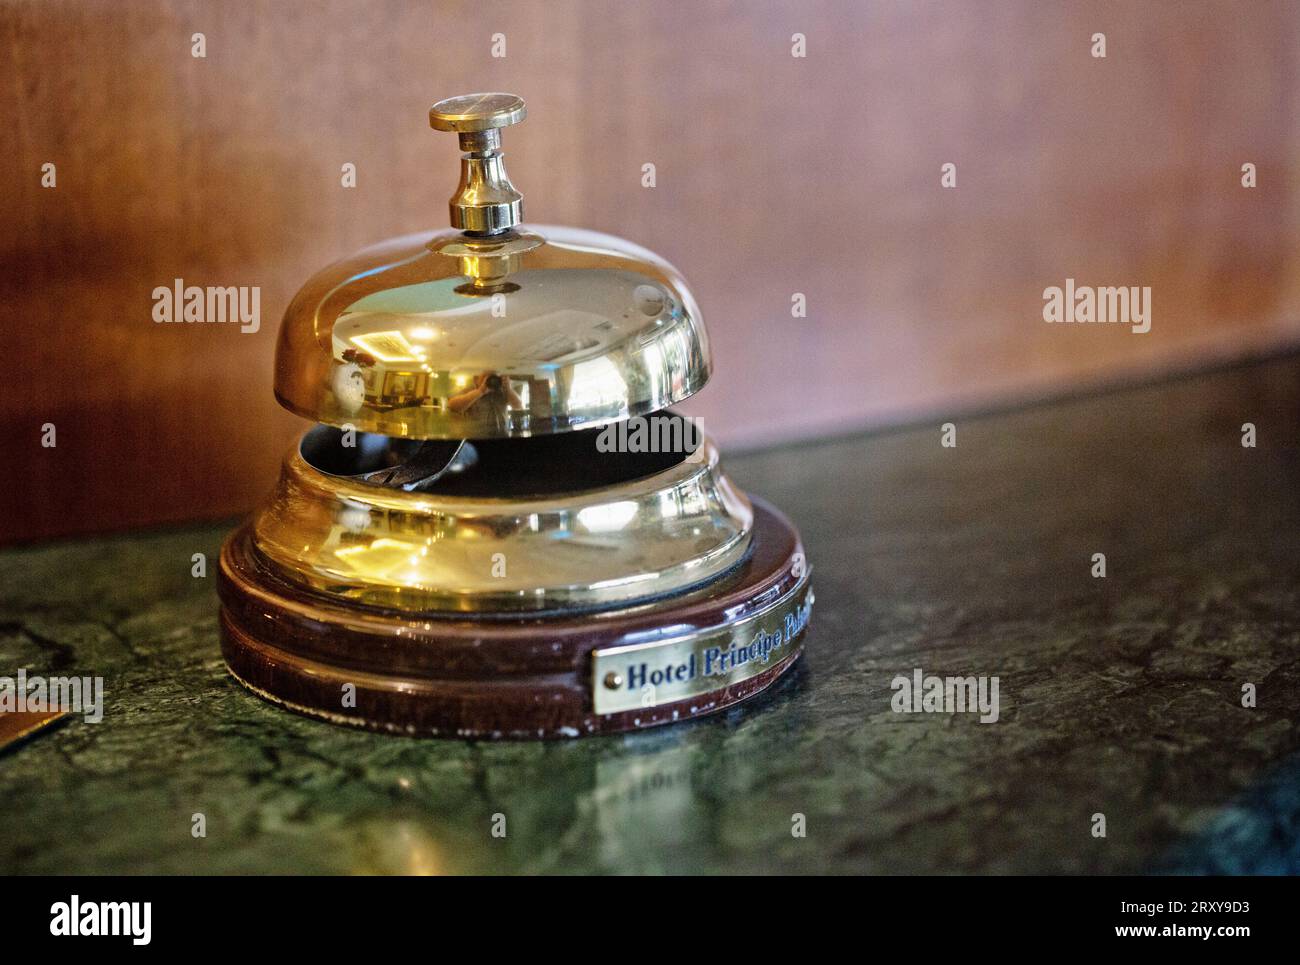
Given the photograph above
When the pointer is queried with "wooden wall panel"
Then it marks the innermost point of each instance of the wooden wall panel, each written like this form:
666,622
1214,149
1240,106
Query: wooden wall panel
775,175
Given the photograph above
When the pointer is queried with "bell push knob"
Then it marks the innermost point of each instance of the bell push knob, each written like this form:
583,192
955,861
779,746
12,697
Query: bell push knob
485,202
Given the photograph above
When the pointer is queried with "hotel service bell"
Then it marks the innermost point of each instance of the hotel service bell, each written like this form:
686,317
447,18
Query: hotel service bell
497,526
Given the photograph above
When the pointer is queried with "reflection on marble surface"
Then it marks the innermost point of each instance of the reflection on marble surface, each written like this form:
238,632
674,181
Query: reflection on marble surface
1256,834
1119,695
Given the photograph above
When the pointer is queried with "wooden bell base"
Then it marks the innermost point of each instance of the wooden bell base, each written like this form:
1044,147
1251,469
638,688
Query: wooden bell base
497,675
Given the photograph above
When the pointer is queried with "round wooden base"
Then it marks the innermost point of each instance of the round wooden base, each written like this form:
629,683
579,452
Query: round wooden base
507,676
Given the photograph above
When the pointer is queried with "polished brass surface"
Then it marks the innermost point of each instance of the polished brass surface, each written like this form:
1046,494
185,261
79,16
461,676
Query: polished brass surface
424,552
402,338
474,113
485,201
496,331
487,261
449,512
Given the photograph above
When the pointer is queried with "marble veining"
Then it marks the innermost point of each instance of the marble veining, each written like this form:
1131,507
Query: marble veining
1119,695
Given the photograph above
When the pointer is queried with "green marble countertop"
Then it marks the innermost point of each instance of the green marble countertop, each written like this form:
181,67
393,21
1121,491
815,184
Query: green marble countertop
1120,696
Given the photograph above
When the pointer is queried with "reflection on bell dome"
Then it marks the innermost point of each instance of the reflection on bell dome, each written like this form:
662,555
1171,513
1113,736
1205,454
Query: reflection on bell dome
552,333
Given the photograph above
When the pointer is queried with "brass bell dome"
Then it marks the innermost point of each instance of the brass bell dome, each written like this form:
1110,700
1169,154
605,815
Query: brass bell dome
489,329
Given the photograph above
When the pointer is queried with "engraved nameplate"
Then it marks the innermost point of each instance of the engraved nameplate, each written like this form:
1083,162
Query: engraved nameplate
665,671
